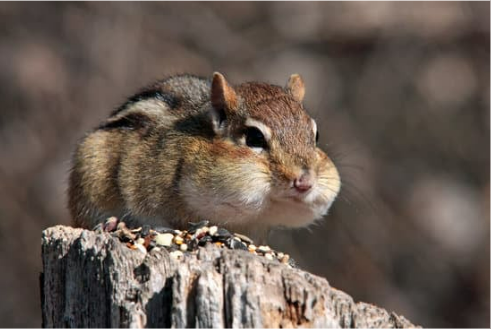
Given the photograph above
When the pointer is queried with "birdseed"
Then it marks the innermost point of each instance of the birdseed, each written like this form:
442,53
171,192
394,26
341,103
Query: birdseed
180,242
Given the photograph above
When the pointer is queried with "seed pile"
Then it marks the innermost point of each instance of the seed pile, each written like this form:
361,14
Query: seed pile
179,242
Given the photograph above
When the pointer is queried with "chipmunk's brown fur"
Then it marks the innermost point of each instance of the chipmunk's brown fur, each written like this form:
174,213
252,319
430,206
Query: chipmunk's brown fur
188,149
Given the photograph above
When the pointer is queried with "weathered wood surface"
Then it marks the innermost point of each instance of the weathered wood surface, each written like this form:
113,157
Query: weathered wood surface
94,280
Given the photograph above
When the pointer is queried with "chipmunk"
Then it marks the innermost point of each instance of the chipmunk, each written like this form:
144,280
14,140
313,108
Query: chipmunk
189,149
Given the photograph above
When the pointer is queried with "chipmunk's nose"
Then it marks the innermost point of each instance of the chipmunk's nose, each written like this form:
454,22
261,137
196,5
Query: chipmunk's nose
304,182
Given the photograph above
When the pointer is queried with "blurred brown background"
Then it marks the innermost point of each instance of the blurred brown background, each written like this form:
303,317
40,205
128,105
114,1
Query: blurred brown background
400,92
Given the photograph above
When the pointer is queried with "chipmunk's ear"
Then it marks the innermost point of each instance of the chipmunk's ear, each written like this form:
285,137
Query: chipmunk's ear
223,95
295,87
224,101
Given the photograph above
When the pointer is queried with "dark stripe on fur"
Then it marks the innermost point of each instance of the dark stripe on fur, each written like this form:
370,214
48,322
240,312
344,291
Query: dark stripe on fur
170,100
131,121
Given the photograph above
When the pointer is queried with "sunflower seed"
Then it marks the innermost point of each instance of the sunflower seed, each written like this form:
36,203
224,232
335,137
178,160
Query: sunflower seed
196,226
244,238
235,244
203,241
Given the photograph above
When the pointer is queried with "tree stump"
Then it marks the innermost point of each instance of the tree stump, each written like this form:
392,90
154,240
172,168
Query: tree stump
93,280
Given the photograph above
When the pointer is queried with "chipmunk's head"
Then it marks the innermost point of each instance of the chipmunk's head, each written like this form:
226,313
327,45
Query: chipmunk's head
272,172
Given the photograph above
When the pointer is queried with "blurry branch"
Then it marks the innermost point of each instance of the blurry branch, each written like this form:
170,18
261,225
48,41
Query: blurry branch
94,280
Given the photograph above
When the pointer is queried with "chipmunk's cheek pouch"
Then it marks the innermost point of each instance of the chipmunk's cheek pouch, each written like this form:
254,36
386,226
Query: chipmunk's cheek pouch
229,185
327,185
247,182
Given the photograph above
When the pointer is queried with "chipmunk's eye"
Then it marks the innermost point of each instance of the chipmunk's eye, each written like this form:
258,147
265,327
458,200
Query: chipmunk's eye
255,138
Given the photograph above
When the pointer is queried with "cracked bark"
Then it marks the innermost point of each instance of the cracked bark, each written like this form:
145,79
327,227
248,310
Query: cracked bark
93,280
